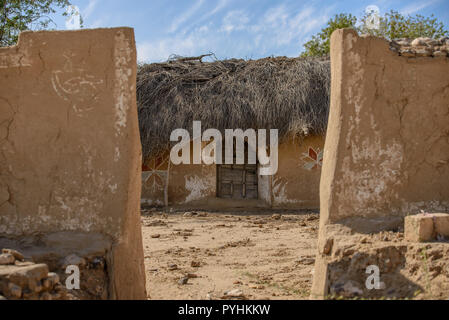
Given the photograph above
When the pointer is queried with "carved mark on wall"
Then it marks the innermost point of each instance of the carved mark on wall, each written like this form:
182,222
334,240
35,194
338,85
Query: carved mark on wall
76,86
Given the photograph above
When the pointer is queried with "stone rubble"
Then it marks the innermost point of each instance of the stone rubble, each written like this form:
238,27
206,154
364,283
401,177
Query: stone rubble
421,47
27,280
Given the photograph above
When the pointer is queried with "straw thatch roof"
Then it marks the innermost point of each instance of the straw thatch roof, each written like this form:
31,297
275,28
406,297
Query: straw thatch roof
289,94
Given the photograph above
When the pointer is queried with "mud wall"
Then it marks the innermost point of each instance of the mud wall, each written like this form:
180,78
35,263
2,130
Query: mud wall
70,154
386,153
296,184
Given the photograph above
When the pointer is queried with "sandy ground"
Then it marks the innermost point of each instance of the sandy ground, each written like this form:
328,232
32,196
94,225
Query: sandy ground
211,255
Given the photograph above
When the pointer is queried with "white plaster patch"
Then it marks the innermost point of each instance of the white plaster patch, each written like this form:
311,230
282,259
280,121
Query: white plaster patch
198,187
370,171
117,154
279,192
122,58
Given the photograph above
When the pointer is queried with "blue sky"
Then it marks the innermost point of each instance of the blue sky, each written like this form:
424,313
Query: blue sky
247,29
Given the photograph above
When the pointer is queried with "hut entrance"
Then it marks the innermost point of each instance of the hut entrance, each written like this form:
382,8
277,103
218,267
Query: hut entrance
237,181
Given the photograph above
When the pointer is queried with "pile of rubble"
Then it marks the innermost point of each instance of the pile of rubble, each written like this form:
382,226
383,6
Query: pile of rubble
30,279
411,262
421,47
20,279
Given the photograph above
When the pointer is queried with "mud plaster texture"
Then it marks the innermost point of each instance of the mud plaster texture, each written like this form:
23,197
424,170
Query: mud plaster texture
386,153
70,154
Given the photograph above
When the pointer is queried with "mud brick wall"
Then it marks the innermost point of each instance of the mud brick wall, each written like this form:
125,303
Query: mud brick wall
386,153
70,154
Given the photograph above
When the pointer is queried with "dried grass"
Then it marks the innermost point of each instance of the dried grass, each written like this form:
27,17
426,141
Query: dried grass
289,94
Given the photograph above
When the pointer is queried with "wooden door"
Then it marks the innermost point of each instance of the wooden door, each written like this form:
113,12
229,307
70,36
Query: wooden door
237,181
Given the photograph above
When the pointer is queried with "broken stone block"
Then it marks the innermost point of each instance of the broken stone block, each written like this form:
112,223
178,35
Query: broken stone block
441,224
17,255
23,275
418,228
6,258
426,227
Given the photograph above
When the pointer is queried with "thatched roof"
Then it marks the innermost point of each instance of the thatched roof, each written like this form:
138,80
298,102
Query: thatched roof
289,94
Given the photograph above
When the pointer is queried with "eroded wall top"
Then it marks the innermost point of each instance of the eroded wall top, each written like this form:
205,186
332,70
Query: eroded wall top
69,143
387,144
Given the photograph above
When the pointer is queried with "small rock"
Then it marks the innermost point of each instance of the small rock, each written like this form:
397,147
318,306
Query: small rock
6,258
51,280
17,255
35,286
46,296
403,41
235,293
421,42
306,260
257,287
439,54
276,217
424,52
172,267
328,246
155,236
349,289
407,53
192,276
73,260
203,214
15,290
237,282
183,280
195,264
444,40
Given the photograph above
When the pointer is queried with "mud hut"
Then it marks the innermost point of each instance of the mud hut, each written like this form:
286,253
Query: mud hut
288,94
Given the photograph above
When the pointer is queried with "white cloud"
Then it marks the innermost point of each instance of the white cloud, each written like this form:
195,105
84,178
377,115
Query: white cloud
280,30
185,45
185,16
89,8
220,5
283,26
234,21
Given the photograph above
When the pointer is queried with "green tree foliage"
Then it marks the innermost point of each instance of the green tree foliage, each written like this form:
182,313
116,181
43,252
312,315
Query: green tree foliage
20,15
320,43
392,25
